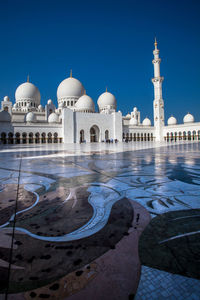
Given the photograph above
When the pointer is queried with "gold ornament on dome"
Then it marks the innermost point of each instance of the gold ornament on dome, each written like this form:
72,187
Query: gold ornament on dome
155,44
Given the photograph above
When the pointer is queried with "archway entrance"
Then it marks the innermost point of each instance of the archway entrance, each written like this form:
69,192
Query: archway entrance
81,136
94,134
106,135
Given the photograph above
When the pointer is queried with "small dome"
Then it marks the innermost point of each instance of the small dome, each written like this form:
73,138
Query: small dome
172,121
30,117
27,91
15,105
53,118
85,103
107,99
128,116
146,122
49,102
70,87
188,118
135,109
5,116
61,105
133,121
6,98
40,107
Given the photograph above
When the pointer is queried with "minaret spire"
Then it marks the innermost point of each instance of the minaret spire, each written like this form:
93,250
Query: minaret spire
155,44
158,103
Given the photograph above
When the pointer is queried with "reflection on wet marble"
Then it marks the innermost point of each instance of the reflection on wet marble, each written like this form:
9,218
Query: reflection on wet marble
160,177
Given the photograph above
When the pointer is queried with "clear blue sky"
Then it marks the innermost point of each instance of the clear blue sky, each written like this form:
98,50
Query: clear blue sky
105,43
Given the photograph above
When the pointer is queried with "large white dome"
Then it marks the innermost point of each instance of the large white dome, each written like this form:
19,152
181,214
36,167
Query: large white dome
172,121
70,87
188,118
53,118
85,103
107,100
27,91
133,121
30,117
5,116
146,122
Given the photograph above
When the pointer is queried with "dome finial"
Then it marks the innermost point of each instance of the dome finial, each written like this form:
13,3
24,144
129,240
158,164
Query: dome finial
71,73
84,92
155,43
28,78
106,89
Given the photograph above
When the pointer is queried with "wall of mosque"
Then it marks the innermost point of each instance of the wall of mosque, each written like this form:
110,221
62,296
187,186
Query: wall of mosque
68,125
19,116
6,127
91,127
126,121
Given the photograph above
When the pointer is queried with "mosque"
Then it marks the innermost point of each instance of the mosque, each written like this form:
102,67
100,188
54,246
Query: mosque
76,121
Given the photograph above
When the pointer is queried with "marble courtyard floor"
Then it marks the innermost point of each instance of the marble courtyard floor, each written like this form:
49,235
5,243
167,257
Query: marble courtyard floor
100,221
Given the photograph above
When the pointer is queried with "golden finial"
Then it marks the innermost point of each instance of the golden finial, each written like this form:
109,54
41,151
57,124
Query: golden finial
28,78
106,89
155,43
71,73
84,92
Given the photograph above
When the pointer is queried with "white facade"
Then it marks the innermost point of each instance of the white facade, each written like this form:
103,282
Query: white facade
75,119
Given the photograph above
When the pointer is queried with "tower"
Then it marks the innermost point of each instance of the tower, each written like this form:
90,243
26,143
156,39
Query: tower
158,103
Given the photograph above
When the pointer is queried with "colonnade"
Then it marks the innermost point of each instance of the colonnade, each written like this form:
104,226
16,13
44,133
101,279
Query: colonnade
136,137
29,138
183,136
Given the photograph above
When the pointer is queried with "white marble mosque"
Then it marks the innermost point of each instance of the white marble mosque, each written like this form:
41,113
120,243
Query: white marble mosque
76,121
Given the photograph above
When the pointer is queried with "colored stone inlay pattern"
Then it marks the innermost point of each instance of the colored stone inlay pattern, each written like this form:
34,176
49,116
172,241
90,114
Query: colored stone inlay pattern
157,285
93,190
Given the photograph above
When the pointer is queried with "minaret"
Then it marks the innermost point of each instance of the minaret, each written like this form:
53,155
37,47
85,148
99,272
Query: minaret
158,103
